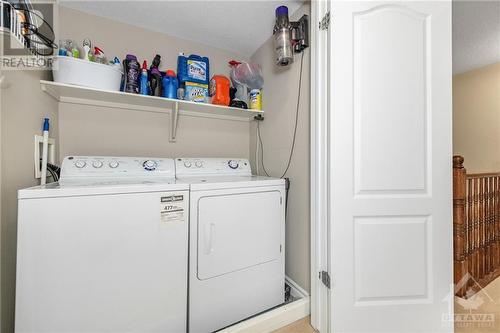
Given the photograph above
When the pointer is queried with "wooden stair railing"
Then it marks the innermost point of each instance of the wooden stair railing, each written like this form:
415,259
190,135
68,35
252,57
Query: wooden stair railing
476,228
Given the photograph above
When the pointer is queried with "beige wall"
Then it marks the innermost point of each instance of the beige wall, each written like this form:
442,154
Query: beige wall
23,107
476,118
98,130
279,102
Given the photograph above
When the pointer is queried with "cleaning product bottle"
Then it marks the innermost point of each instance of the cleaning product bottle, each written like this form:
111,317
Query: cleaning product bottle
75,52
155,77
144,82
87,46
62,48
170,84
219,90
255,99
155,82
156,61
116,62
181,91
131,70
99,55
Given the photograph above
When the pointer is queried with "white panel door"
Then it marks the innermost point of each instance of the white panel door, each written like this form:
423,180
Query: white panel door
390,166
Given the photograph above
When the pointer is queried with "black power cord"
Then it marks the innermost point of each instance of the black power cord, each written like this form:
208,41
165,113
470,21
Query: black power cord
261,144
53,171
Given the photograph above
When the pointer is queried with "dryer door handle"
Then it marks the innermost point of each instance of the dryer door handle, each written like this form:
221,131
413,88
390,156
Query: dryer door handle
209,238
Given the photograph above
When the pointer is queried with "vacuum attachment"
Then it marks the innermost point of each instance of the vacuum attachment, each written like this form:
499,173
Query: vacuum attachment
289,37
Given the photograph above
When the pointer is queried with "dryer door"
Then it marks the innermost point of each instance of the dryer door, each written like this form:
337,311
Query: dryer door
238,230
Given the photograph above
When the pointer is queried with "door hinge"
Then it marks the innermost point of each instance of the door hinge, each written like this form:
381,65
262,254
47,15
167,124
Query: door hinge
324,24
325,278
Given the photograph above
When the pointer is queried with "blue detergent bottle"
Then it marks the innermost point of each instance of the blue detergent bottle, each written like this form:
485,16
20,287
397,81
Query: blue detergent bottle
193,68
170,84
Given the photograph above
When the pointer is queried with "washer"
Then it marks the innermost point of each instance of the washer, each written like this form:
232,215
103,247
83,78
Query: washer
105,249
237,238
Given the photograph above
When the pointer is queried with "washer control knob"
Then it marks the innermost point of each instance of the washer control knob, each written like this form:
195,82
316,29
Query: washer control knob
97,164
114,164
187,164
199,164
80,164
150,165
233,164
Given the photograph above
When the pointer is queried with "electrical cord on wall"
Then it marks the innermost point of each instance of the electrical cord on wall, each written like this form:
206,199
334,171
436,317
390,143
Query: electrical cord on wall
53,171
292,148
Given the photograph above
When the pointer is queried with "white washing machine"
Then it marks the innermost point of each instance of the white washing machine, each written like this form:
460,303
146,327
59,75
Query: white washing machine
237,239
105,249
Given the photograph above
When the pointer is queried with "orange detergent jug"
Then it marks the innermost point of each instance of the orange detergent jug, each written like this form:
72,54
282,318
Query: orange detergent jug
219,90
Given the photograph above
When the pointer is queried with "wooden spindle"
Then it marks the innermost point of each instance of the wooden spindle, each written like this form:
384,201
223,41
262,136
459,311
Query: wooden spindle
475,230
497,223
481,227
459,244
487,226
470,226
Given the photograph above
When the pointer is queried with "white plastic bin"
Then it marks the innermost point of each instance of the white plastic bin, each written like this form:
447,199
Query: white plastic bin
86,73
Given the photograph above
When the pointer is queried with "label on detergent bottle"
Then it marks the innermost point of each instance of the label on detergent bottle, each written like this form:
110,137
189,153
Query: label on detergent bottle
172,208
196,92
197,70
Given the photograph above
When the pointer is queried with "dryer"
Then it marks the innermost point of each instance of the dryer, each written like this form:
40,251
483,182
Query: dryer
237,241
105,249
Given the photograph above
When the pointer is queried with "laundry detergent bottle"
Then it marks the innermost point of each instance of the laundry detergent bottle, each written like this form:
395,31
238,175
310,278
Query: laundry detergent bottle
170,84
132,70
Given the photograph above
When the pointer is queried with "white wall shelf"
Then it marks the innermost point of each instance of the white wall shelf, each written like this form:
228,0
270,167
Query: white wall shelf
67,93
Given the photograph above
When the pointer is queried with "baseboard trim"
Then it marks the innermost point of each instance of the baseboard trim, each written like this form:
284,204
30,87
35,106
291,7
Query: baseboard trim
276,318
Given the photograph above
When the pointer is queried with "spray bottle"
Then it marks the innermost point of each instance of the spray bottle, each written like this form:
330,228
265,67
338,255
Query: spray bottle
144,82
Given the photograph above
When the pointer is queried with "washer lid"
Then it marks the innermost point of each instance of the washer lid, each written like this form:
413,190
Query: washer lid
223,182
66,188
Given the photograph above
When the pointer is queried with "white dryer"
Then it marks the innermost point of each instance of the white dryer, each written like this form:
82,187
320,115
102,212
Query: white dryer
105,249
237,239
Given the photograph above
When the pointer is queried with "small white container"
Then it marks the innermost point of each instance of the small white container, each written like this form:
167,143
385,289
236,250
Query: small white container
86,73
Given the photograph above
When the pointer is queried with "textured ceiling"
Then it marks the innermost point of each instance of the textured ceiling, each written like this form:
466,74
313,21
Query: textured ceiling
476,34
237,26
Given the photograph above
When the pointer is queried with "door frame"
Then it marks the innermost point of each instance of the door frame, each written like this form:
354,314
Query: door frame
320,294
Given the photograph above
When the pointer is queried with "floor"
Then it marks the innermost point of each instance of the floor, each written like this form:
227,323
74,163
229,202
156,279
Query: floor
480,313
300,326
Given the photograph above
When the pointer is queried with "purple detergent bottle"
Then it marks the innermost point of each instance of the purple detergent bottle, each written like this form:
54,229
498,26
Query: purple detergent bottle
132,70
